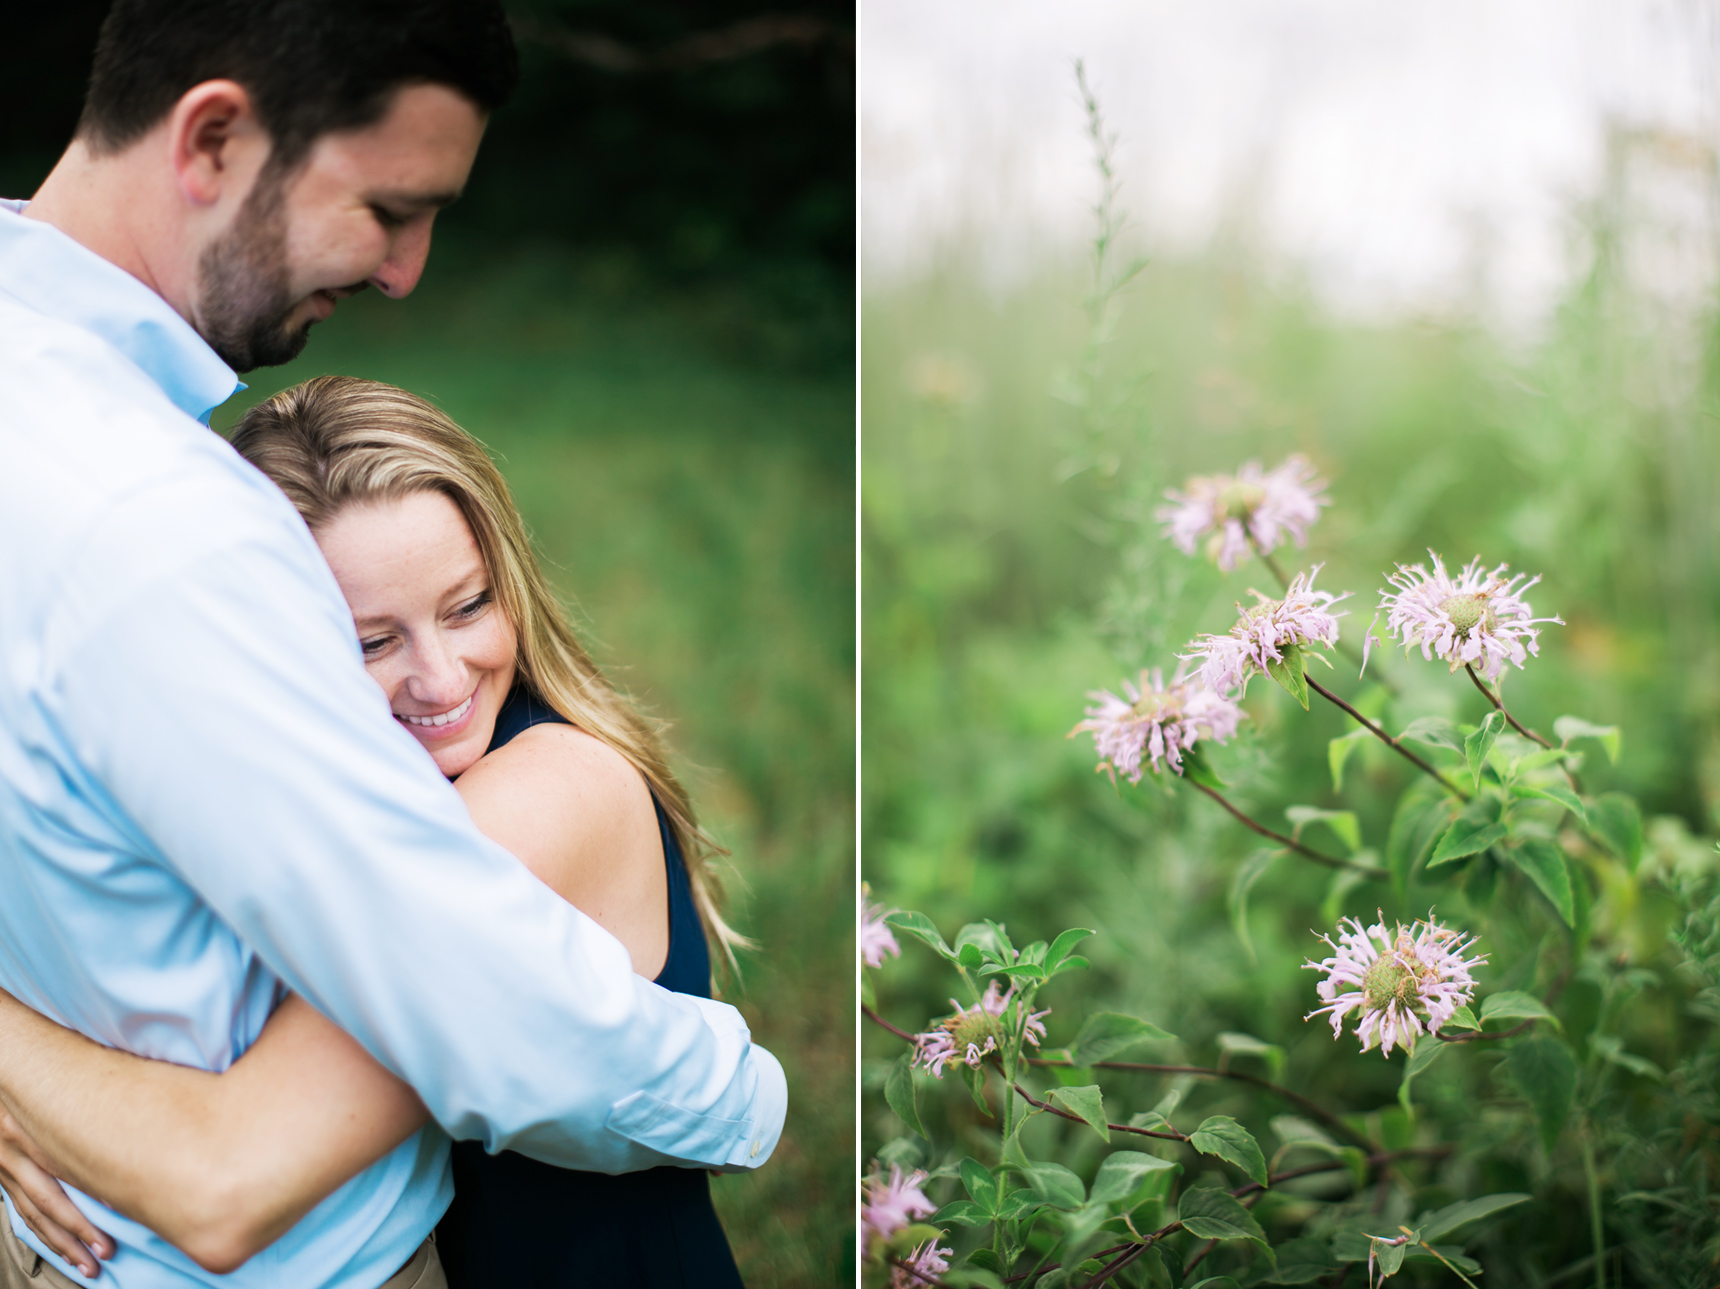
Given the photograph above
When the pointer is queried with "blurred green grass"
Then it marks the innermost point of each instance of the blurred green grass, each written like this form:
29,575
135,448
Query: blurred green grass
1005,574
685,463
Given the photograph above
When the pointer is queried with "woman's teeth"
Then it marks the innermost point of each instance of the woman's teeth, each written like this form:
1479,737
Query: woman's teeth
446,718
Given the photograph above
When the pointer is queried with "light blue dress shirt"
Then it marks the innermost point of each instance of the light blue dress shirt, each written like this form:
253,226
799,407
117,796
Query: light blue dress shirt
204,798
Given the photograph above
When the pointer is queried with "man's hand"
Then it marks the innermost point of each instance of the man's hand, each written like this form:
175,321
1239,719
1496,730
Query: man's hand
27,1176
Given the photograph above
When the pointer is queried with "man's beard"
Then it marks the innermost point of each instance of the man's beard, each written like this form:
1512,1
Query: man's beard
245,298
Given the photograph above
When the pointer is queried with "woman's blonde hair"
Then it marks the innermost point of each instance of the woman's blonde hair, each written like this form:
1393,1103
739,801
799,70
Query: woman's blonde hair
337,441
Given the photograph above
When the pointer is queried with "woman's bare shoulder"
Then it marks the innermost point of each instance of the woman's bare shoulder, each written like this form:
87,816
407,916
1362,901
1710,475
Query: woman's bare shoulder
579,815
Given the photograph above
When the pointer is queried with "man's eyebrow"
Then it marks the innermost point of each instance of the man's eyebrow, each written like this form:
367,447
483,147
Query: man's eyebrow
416,200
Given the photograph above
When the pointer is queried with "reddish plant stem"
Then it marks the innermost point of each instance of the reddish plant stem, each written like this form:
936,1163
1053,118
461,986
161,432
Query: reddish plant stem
879,1020
1388,740
1290,843
1499,706
1296,1099
1172,1135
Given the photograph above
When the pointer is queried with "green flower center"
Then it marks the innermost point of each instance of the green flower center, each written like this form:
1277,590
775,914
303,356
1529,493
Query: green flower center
974,1027
1465,611
1388,981
1240,500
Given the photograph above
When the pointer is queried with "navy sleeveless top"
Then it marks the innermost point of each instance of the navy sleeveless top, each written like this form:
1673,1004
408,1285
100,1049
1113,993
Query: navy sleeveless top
517,1222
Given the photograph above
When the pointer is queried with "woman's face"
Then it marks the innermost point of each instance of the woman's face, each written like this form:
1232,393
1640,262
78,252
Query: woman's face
433,636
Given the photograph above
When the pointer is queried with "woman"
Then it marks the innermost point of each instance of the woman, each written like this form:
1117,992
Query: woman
459,628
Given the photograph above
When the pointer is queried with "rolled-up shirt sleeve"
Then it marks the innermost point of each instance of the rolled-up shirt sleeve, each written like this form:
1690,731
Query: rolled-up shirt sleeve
218,699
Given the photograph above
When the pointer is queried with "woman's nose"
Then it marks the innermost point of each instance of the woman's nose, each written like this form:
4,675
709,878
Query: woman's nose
439,678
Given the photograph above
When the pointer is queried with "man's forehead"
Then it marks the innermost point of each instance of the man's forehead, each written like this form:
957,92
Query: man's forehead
419,152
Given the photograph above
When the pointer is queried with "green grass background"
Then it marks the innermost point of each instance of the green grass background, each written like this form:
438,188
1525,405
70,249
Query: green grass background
685,462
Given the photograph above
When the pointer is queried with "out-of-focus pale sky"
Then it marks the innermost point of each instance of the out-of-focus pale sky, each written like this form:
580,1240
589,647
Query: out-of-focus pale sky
1426,156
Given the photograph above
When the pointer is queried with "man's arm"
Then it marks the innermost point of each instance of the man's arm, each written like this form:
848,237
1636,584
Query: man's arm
222,706
220,1165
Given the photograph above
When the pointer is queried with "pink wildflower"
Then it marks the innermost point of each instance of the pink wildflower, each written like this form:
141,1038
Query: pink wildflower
888,1206
1477,618
876,938
1264,631
922,1267
1157,722
1406,985
1233,508
973,1032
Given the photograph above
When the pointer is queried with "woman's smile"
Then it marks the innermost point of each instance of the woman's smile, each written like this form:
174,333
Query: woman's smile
445,723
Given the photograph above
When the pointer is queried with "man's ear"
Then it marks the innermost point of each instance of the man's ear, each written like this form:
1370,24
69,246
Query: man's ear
216,143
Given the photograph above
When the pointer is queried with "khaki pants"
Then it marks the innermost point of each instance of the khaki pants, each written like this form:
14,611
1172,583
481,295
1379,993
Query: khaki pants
21,1267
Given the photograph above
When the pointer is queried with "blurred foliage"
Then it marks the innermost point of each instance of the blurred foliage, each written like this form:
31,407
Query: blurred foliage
695,505
1010,564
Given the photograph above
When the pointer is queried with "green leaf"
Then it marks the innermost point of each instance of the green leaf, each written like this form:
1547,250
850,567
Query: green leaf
1241,881
980,1183
1427,1051
1290,674
1087,1103
1196,768
986,1260
1293,1130
1435,731
1018,1204
1611,1049
970,957
1055,1185
1541,756
1464,839
1564,796
1213,1215
1063,944
1442,1223
1216,1282
899,1092
1480,743
1618,823
971,1278
1338,751
1122,1174
1544,865
1463,1018
1573,727
918,924
1514,1004
1421,815
1390,1256
965,1212
1106,1034
1225,1137
1545,1075
1342,823
975,1080
1302,1262
1151,1120
1233,1044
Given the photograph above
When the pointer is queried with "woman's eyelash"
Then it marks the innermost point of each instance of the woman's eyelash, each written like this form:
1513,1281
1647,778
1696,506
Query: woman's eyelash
474,605
372,646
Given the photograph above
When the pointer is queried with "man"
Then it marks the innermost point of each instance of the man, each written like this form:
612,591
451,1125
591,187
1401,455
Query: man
203,798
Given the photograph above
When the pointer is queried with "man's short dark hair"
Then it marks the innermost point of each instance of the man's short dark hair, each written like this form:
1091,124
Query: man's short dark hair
310,66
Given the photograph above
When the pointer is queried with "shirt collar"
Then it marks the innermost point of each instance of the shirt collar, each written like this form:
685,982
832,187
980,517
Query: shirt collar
47,271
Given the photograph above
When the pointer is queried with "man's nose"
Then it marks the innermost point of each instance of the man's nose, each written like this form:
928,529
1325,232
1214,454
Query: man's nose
399,273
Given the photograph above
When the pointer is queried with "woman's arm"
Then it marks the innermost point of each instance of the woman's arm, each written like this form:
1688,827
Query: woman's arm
222,1165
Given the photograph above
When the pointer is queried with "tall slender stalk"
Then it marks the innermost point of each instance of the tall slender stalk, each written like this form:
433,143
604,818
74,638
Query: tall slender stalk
1491,696
1290,843
1388,740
